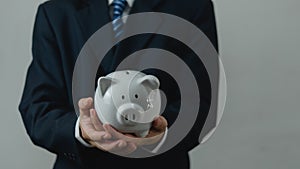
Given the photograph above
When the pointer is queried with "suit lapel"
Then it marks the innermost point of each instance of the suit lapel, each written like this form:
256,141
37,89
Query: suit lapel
92,16
144,6
139,6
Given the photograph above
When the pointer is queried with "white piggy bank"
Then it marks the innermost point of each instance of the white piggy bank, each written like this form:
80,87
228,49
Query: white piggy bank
128,100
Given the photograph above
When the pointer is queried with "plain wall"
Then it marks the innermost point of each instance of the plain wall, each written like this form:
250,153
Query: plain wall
16,149
259,42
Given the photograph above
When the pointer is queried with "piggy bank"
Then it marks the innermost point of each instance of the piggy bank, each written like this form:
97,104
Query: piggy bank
128,100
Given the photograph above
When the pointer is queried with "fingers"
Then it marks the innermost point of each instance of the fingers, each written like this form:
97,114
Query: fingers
113,132
95,120
98,136
94,130
113,146
117,135
160,124
85,104
130,148
91,127
119,147
105,137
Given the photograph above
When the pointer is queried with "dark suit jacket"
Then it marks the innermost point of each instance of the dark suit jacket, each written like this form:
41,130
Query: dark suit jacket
60,31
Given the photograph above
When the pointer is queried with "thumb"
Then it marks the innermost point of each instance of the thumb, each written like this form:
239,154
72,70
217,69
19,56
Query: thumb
160,123
85,104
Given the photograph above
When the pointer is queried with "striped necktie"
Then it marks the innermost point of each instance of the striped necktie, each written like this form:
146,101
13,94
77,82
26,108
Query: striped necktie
118,9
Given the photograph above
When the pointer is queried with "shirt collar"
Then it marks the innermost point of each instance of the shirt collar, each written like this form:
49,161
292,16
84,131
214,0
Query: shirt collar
130,2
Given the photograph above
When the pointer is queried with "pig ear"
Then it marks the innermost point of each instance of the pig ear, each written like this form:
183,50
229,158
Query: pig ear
149,81
104,83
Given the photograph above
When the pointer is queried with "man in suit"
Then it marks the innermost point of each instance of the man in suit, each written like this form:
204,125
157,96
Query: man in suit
61,29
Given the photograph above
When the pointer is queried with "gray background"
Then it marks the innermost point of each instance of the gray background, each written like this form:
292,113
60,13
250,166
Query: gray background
259,42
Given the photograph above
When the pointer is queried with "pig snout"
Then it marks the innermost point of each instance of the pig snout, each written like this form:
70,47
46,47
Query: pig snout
129,113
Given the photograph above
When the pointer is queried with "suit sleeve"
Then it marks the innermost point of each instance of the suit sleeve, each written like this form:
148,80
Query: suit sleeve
45,108
205,21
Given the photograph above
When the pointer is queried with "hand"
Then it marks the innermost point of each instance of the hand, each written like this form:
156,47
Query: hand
155,134
94,133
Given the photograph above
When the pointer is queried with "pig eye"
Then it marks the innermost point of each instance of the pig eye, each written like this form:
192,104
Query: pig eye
123,97
136,96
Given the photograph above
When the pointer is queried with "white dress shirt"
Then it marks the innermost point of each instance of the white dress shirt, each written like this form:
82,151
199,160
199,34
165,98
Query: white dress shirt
77,130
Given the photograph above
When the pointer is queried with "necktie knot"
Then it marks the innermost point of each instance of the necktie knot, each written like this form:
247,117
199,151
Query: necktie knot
118,8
